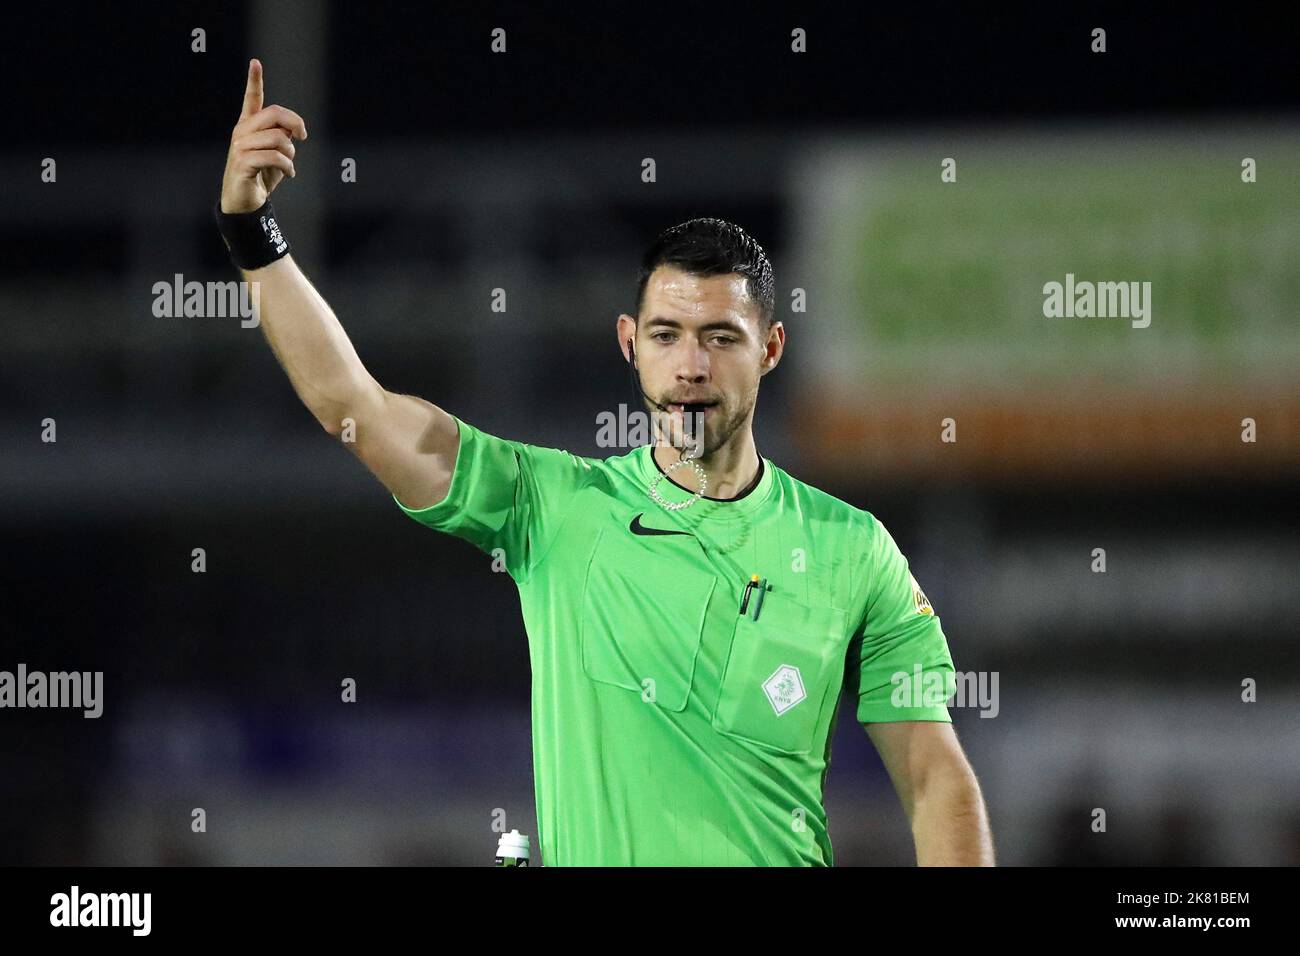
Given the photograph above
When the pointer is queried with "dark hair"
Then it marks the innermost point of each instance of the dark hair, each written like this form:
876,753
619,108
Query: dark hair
712,247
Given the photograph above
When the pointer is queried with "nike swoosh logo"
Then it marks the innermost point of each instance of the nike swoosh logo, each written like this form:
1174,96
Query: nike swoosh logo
638,528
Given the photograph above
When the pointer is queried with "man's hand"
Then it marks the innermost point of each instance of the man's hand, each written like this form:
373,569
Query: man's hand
411,445
261,148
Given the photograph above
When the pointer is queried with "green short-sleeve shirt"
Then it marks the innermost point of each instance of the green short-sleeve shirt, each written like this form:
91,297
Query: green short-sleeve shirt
669,728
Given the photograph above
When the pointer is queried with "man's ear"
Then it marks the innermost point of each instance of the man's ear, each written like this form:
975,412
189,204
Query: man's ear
773,348
626,328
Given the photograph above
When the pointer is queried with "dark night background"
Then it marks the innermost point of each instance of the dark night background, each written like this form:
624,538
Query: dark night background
522,170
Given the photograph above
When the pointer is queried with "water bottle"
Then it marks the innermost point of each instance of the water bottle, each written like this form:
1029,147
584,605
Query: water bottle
512,849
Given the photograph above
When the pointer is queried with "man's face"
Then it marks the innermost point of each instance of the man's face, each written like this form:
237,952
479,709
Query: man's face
701,340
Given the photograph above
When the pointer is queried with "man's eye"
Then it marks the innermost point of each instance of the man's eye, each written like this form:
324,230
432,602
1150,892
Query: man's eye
662,336
724,340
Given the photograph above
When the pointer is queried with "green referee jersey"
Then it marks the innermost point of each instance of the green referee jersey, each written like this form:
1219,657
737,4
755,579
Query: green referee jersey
668,728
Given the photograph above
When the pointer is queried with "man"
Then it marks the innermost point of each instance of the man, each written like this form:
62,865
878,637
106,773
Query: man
693,612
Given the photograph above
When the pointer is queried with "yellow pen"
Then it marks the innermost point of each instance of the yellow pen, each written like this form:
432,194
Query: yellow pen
758,604
744,601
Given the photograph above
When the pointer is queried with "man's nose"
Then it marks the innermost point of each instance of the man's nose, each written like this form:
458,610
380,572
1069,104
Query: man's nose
692,362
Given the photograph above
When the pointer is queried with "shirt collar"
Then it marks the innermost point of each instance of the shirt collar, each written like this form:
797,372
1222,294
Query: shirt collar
744,503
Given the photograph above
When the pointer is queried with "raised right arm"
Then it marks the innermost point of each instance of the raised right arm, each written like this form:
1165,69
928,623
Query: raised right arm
408,443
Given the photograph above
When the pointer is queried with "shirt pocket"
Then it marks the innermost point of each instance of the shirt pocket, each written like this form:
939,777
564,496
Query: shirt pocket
780,671
642,619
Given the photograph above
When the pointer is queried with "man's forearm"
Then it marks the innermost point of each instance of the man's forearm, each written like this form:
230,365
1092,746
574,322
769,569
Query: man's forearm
950,822
310,344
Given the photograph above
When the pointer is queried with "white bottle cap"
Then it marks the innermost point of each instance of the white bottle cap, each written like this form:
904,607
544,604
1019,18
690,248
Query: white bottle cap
513,844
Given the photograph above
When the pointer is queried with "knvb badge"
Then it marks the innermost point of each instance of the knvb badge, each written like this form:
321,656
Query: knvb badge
784,688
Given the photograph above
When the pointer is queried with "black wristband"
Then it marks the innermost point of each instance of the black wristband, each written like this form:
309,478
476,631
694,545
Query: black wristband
253,238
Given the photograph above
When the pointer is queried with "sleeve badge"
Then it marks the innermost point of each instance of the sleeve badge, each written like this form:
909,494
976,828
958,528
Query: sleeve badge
923,605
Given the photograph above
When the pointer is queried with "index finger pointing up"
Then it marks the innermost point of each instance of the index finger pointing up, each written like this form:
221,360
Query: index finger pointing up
253,92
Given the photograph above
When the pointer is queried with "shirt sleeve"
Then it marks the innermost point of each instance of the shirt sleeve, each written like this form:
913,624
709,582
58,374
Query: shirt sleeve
506,498
898,664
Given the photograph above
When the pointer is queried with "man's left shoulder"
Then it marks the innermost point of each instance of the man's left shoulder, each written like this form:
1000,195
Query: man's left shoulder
822,506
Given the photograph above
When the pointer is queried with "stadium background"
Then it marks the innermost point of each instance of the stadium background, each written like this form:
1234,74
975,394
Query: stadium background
522,171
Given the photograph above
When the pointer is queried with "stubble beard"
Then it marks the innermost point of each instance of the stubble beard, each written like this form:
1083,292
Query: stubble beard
716,434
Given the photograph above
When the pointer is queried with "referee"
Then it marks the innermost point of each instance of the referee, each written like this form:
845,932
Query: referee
693,611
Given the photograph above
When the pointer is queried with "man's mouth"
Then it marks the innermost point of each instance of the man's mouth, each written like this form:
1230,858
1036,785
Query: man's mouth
691,407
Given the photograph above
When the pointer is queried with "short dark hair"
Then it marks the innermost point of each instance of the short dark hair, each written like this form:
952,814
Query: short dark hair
712,247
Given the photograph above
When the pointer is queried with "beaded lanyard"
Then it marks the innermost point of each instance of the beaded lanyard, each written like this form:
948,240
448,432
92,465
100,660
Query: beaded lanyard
678,505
